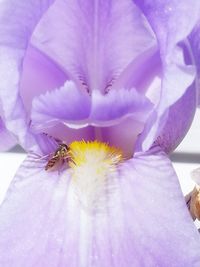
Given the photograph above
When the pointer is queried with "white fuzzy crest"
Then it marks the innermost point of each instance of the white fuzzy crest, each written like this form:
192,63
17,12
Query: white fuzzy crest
94,178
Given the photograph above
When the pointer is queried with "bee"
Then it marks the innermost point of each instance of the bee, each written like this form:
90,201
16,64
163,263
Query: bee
60,156
55,159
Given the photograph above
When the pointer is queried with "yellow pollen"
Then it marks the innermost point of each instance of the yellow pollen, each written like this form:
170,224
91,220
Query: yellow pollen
93,167
81,152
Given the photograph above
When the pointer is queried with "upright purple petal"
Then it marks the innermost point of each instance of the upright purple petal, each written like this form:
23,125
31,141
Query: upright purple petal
17,22
141,72
145,221
93,40
171,24
39,75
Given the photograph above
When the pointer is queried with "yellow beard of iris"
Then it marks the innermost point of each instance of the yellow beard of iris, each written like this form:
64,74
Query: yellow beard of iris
93,167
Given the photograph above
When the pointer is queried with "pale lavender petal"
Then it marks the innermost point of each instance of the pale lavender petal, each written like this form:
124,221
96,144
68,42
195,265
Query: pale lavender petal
39,75
39,217
141,72
75,108
17,22
179,118
145,221
171,24
169,21
7,139
194,40
118,104
61,105
95,40
123,135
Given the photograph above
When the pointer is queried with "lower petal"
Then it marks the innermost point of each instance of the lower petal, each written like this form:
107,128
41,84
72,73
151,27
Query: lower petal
145,221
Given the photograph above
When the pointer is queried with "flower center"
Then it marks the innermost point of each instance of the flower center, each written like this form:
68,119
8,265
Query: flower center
94,168
94,153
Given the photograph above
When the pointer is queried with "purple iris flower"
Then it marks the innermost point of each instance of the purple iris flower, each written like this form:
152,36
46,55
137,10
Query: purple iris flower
114,81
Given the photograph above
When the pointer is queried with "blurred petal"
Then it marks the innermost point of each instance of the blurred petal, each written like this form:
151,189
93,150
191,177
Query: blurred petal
7,139
15,33
93,40
145,221
194,40
196,176
171,25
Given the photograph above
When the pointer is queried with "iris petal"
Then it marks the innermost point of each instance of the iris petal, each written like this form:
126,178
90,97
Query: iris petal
93,40
145,221
119,104
7,139
141,71
64,104
194,40
170,137
39,74
15,34
171,25
77,109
